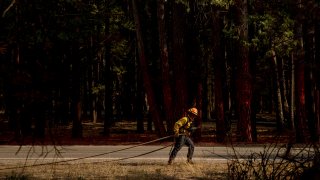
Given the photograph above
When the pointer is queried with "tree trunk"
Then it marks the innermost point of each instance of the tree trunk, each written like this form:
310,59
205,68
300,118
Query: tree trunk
301,125
292,95
317,77
284,92
179,57
166,88
146,78
310,88
301,131
139,103
279,109
108,77
218,68
244,84
76,95
317,117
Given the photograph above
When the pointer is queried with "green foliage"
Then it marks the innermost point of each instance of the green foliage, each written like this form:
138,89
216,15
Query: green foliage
222,3
98,89
120,21
273,31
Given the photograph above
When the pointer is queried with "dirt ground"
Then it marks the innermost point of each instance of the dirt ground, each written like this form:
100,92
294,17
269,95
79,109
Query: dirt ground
124,132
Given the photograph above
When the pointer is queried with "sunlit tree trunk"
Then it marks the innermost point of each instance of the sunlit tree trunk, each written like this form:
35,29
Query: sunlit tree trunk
279,109
284,92
146,77
244,79
166,88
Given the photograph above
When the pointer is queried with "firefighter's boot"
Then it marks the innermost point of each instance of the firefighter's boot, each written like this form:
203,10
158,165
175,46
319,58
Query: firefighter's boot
189,161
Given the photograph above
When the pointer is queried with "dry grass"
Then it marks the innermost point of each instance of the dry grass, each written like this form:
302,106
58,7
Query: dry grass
141,171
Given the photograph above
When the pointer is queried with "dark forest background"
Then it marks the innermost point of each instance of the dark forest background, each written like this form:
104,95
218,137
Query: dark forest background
66,61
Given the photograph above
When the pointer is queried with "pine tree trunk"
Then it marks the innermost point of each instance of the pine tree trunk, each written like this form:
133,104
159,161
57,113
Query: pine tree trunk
166,88
179,56
158,124
108,78
317,78
279,109
284,92
291,122
317,115
310,88
219,67
76,95
301,124
244,79
138,107
301,131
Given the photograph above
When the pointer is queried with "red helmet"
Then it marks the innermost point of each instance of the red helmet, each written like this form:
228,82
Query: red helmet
193,111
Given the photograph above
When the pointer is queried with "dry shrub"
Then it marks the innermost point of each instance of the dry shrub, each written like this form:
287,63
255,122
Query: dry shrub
277,162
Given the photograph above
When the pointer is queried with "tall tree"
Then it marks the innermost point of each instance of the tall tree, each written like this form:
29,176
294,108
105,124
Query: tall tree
166,87
279,109
218,61
310,83
292,93
317,74
244,84
108,78
179,58
76,105
301,124
146,77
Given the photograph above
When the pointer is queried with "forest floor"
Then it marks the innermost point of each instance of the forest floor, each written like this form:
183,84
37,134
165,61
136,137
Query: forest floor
124,132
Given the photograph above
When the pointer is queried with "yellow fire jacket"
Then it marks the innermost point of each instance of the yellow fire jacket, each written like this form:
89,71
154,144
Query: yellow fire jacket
181,126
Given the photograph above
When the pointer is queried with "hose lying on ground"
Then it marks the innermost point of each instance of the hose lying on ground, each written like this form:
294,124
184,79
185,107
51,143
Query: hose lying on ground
96,155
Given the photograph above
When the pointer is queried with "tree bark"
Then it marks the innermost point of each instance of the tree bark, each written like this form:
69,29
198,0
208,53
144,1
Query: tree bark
310,88
284,92
76,96
301,124
218,68
146,78
301,131
317,76
279,109
292,95
180,60
166,88
244,79
108,78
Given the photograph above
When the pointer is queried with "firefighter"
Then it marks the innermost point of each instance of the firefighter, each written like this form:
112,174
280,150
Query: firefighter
182,131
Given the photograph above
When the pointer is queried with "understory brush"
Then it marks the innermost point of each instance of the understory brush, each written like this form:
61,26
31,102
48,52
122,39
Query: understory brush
276,161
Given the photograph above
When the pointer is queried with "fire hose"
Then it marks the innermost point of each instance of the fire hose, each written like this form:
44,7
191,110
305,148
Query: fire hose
101,154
